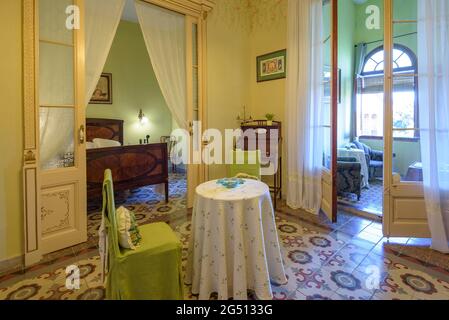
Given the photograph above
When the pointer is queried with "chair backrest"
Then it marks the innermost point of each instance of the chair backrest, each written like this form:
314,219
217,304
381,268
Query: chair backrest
109,213
245,162
362,146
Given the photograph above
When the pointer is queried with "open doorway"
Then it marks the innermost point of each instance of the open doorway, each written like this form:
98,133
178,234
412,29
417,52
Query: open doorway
128,112
361,158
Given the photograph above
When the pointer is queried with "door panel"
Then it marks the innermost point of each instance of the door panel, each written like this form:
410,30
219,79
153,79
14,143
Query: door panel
326,201
61,128
196,169
404,204
329,111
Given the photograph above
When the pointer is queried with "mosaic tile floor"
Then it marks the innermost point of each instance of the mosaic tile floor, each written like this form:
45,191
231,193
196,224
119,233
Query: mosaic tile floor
346,260
371,200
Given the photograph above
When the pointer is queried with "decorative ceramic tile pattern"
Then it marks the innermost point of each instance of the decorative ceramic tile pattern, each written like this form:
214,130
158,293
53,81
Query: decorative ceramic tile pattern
370,200
349,260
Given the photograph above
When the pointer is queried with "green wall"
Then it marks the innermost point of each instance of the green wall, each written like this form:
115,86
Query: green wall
407,153
402,9
134,86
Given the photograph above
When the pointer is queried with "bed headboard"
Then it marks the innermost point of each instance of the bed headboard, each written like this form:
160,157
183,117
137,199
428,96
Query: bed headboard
110,129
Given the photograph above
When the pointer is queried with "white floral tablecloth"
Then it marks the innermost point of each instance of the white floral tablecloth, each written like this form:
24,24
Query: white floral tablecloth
234,245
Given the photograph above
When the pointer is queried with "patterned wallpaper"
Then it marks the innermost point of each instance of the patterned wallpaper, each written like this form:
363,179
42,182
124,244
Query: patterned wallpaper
249,15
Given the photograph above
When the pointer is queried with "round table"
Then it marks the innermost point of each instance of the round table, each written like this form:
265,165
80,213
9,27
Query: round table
234,245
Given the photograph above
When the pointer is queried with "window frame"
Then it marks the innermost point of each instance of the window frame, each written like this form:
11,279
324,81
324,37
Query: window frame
412,69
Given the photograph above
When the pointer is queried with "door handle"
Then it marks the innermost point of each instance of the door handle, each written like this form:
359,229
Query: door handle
191,128
81,135
206,143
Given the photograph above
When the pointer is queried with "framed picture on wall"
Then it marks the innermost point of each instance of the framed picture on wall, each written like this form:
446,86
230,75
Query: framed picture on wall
272,66
103,91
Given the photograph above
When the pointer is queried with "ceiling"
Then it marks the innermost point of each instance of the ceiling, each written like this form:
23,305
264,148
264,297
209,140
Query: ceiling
129,12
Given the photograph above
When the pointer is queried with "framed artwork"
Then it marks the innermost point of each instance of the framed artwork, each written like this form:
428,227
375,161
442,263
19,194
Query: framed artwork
103,91
327,72
272,66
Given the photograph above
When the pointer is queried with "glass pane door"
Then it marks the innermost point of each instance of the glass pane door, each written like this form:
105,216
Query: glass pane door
62,156
329,104
327,84
405,109
56,86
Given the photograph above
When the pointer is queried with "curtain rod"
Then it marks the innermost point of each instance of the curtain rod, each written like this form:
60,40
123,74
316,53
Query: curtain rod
395,37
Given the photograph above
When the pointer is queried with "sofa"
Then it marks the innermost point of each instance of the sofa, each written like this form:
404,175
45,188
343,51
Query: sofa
374,158
349,176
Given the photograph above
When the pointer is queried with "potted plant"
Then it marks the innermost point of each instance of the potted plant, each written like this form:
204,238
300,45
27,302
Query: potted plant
269,117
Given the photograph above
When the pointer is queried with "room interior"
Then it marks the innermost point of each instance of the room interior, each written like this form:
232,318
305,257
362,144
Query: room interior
129,164
135,115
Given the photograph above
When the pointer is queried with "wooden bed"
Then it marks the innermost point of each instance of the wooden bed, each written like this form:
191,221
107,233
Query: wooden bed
132,166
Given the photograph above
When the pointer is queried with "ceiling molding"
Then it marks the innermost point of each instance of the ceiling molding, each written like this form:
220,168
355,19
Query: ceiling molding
189,7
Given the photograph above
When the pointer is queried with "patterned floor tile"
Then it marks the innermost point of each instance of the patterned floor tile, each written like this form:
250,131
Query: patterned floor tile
416,284
370,237
283,292
350,256
391,295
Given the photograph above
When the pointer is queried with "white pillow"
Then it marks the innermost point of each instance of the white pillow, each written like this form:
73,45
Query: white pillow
127,229
90,145
104,143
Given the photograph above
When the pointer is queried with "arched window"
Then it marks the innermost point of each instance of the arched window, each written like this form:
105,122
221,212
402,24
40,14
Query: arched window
370,89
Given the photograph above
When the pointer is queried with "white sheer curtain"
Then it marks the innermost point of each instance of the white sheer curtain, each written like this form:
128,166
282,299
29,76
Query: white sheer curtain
102,18
165,37
101,21
433,57
56,136
304,104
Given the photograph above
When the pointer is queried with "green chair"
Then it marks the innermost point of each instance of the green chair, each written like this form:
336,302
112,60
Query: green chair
151,272
241,164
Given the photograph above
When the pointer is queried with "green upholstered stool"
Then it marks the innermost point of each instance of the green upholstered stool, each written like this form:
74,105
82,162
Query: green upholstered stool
151,272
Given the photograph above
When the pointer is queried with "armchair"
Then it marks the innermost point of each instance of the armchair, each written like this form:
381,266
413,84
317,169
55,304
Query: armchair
349,176
374,158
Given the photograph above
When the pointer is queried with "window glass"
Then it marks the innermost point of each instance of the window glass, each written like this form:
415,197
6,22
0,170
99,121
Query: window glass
370,94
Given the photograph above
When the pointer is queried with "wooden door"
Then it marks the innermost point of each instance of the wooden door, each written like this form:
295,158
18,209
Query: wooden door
330,107
196,173
404,204
61,123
